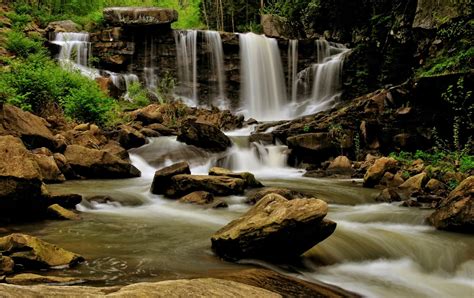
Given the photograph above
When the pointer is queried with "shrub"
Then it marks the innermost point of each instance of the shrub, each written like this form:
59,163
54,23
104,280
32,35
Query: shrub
23,46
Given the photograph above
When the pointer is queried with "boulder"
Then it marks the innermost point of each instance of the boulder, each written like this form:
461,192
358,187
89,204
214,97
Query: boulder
198,198
32,130
129,137
264,138
93,163
217,185
147,116
162,130
311,147
415,183
21,194
275,26
203,135
388,195
6,265
218,204
162,178
435,186
68,201
32,252
31,279
201,287
55,211
149,133
341,165
64,166
456,212
48,169
274,229
375,173
391,180
249,178
114,148
139,16
284,192
63,26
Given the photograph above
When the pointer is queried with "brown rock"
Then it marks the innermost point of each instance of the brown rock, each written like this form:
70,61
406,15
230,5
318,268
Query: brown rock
92,163
410,203
63,26
6,265
31,279
198,198
55,211
129,137
456,212
149,133
162,179
68,201
274,228
64,166
133,16
388,195
249,178
162,130
284,192
33,252
264,138
48,168
341,165
435,186
217,185
391,180
114,148
203,135
415,183
377,170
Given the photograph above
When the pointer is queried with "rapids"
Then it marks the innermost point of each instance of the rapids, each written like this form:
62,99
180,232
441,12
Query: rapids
377,250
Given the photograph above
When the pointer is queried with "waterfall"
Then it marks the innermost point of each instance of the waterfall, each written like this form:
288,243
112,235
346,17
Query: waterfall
293,68
186,54
263,90
214,44
75,52
149,67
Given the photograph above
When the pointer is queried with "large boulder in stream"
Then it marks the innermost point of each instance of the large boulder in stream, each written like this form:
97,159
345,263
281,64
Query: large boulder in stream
32,252
218,185
288,194
249,178
275,229
32,130
93,163
376,172
456,212
162,179
203,135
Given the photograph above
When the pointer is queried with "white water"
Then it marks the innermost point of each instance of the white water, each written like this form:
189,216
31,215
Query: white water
263,90
214,44
149,67
293,68
186,55
75,52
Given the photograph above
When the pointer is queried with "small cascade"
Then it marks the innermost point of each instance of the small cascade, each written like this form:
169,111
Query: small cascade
149,68
75,52
186,54
263,90
214,44
293,68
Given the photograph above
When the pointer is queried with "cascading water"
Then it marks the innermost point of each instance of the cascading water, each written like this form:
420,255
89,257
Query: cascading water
149,68
263,90
293,68
214,44
186,55
75,52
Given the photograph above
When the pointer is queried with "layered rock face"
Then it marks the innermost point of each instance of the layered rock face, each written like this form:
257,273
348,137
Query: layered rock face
143,16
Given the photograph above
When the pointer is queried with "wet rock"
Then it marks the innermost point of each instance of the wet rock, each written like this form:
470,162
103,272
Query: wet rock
377,170
391,180
201,287
32,130
274,228
63,26
162,178
149,133
55,211
32,252
6,265
341,165
48,169
456,212
21,194
311,141
388,195
129,137
264,138
114,148
249,178
162,130
415,183
198,198
203,135
64,166
217,185
31,279
93,163
218,204
68,201
284,192
148,116
435,186
411,203
140,16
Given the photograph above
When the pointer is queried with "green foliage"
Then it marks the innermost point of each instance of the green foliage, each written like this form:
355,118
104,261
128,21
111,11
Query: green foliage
441,160
36,82
23,46
165,88
137,95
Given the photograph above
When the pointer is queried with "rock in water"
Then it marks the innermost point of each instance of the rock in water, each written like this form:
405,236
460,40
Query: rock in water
249,178
162,179
6,265
33,252
284,192
217,185
377,170
456,212
274,228
203,135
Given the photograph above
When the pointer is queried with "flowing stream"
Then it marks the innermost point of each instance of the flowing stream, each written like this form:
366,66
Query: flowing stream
377,250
